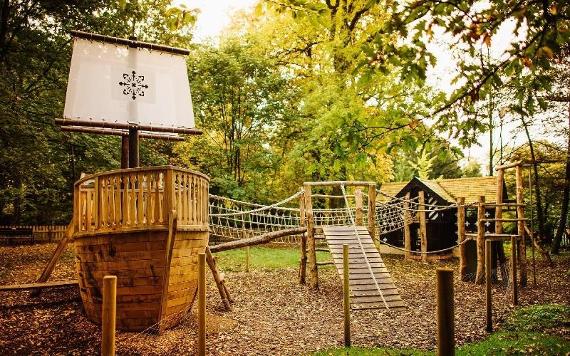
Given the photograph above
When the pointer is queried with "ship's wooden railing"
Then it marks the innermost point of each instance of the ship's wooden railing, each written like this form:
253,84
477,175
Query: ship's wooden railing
139,198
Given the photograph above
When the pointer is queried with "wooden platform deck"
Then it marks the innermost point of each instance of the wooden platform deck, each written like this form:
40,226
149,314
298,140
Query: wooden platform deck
371,286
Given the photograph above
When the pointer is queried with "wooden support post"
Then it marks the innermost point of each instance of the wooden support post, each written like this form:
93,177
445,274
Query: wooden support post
124,152
134,148
499,224
407,222
480,277
303,262
514,253
488,284
218,278
359,218
520,226
346,294
461,239
445,313
247,258
311,243
170,239
372,211
202,304
109,315
423,225
48,269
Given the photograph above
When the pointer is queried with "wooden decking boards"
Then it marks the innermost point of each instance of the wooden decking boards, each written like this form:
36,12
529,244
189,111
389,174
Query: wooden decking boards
371,286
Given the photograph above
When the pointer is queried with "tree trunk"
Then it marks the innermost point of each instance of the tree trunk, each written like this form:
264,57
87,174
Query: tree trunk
539,210
555,249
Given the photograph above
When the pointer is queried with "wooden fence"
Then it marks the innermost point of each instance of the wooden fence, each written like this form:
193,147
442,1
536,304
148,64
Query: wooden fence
42,232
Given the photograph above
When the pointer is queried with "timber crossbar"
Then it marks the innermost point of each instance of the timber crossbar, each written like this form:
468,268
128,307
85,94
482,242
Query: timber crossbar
339,183
140,198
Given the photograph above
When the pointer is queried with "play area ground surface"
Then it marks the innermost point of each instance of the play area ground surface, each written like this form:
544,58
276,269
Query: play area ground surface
272,313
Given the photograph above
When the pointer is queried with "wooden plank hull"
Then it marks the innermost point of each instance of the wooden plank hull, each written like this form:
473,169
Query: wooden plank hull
139,260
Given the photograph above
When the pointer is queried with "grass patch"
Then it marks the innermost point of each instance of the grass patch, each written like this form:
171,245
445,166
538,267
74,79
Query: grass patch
264,258
372,351
522,334
517,343
538,318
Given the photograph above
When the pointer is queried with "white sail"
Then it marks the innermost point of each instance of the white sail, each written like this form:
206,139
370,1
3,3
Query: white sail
113,83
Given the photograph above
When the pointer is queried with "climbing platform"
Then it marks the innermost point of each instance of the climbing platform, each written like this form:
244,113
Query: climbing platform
371,286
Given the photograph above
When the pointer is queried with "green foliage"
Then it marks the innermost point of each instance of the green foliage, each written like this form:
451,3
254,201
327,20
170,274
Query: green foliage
517,343
373,351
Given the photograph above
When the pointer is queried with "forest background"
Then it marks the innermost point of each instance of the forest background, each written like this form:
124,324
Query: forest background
301,90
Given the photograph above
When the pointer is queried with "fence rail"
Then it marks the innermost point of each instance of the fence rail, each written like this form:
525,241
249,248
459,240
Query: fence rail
42,232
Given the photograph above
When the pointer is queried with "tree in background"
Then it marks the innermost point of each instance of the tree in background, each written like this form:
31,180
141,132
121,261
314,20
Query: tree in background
242,102
39,163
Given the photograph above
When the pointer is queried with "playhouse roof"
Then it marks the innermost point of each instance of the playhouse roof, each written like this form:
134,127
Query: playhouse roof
451,189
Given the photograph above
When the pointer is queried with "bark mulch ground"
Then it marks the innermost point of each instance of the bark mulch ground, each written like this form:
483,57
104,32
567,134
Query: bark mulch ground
272,313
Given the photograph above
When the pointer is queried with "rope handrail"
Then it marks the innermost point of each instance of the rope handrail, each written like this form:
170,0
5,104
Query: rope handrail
263,207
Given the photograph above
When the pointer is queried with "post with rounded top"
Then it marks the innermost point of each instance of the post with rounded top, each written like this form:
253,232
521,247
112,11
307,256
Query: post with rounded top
109,315
407,233
372,210
311,243
423,225
445,313
461,239
480,277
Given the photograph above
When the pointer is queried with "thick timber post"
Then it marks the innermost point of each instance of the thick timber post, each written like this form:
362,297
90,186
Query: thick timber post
124,152
407,222
134,148
499,223
520,225
372,211
201,304
423,225
514,253
480,277
445,313
109,315
311,243
461,239
488,282
346,295
359,208
303,262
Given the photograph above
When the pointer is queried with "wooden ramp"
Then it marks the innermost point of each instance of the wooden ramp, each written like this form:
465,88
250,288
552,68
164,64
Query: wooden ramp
371,286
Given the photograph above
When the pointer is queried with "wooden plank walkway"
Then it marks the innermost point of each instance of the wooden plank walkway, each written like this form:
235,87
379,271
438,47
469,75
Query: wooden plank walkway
371,286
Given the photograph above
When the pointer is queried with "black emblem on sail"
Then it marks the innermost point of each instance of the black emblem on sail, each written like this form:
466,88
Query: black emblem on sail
133,85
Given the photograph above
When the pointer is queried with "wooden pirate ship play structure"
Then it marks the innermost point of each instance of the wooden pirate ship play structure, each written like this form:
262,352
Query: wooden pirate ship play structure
144,225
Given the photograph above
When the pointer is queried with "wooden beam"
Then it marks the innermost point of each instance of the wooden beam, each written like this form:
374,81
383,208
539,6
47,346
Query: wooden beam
52,284
48,269
509,165
445,313
339,183
463,275
488,290
258,240
359,218
134,146
372,211
407,232
121,126
218,279
423,225
170,239
520,226
480,276
311,243
120,132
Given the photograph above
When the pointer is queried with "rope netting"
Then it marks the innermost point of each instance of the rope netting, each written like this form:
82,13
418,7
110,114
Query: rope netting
234,219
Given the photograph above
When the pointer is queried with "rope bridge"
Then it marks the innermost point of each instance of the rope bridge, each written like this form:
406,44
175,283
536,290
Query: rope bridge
232,219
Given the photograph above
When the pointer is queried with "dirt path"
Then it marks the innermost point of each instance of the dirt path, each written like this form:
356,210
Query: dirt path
272,313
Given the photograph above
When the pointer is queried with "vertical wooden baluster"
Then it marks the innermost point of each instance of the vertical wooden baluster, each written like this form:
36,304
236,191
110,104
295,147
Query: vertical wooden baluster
112,202
188,209
157,198
97,199
118,201
103,204
125,179
193,200
180,186
88,202
133,199
148,207
140,199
